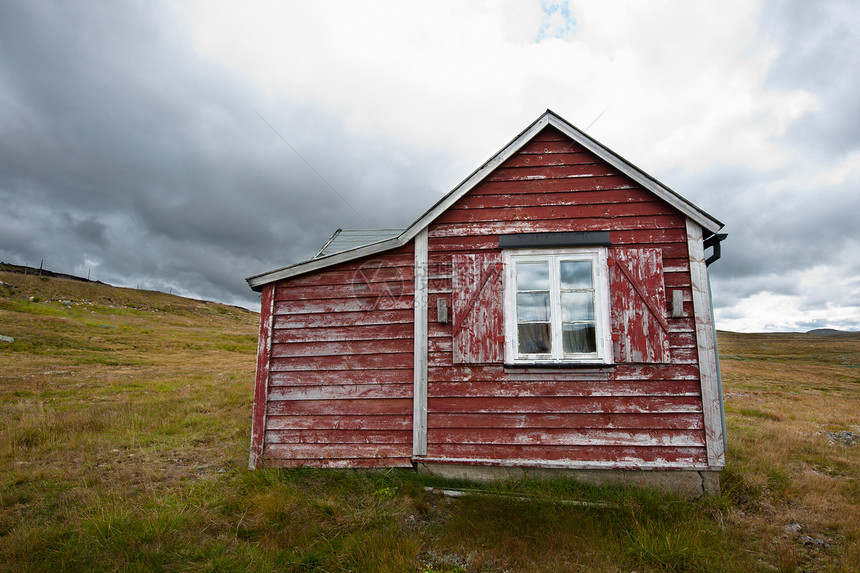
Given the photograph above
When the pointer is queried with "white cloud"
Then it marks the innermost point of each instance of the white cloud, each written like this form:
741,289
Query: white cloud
770,312
683,81
827,296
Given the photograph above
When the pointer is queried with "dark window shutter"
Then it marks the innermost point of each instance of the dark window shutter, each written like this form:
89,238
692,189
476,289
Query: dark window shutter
640,332
478,309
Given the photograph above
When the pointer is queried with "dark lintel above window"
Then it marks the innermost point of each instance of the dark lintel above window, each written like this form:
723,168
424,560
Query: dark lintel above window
554,240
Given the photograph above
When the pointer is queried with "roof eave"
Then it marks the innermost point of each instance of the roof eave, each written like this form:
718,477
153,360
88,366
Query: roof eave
257,282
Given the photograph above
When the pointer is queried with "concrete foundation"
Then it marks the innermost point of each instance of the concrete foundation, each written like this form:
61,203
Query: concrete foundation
691,484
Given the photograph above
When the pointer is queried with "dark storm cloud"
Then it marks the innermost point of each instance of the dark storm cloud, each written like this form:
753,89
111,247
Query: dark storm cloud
819,52
123,152
88,230
779,227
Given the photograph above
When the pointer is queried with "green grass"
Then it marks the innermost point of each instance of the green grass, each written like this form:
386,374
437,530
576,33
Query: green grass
124,431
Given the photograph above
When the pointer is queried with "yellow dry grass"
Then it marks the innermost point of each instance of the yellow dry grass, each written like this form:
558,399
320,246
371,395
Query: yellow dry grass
124,430
798,488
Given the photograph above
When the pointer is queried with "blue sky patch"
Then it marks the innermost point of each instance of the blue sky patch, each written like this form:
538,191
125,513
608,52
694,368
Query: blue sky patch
558,21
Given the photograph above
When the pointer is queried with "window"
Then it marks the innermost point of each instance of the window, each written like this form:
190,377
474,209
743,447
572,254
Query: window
557,306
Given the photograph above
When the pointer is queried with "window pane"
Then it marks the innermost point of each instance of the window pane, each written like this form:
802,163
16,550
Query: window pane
579,338
532,306
533,276
575,274
576,306
534,338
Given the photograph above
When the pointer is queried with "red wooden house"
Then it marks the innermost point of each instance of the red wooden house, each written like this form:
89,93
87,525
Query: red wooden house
552,312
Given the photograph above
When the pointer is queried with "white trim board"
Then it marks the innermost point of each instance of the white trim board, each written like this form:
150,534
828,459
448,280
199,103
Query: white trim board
419,375
707,347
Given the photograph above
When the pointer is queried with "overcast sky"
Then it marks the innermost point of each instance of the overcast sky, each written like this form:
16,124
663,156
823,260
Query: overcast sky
167,145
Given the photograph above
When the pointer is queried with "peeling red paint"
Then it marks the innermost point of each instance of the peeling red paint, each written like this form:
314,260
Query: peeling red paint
478,329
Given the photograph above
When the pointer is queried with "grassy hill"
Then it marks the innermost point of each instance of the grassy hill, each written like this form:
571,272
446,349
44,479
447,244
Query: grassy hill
124,430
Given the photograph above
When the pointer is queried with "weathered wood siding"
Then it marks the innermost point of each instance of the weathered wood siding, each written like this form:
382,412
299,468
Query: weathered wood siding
261,380
478,329
646,414
340,376
640,331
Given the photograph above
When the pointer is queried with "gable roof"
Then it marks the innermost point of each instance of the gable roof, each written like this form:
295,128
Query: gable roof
356,248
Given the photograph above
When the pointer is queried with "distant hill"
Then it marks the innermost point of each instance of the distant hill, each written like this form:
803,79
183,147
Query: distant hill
61,291
20,283
833,332
25,270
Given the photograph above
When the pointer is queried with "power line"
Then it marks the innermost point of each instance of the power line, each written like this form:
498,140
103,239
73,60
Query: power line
596,118
354,210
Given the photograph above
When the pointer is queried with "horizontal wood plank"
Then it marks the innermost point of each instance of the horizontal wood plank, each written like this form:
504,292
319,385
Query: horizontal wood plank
675,265
508,389
652,238
617,215
343,333
685,324
682,339
637,230
550,159
341,392
550,133
634,372
442,247
337,451
384,287
606,197
677,280
275,461
362,407
627,372
633,454
343,273
354,304
328,437
596,182
567,437
555,405
325,377
679,421
543,146
383,346
339,319
686,355
532,173
357,362
344,422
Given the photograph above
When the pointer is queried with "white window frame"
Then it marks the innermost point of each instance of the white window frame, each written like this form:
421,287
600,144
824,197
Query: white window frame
600,281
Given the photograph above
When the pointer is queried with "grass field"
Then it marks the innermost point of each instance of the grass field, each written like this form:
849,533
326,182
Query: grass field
124,431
